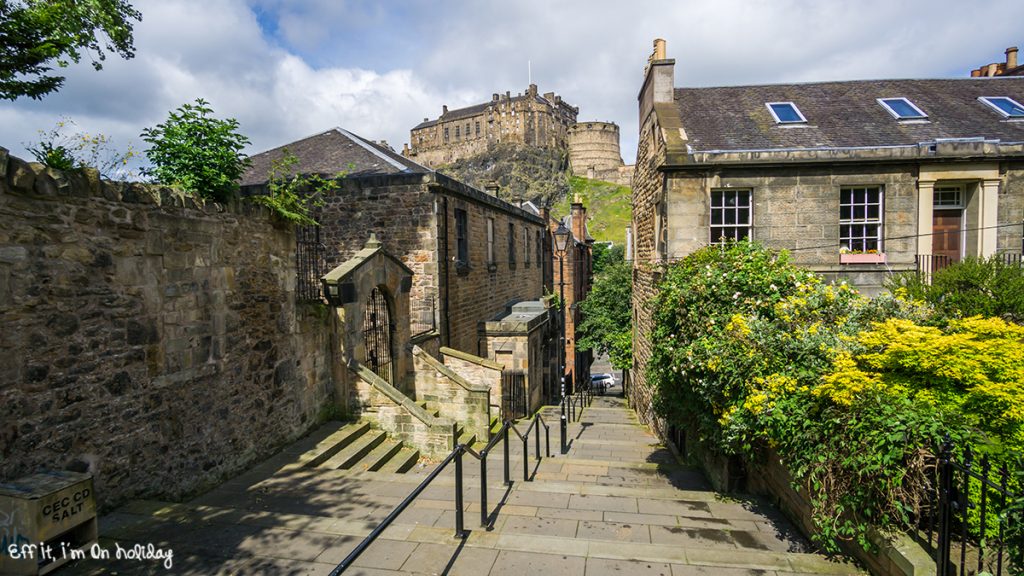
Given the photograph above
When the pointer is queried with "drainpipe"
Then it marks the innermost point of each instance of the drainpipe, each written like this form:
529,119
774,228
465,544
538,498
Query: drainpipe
446,335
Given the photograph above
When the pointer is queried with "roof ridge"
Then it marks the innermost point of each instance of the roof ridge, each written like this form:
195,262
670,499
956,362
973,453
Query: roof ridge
860,81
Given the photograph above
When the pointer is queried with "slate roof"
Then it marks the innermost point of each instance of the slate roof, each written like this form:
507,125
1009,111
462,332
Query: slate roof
330,152
845,114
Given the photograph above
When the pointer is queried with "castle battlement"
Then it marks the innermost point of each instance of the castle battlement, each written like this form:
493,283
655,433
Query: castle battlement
527,118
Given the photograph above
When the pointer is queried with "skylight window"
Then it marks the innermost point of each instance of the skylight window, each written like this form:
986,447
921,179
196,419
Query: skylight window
785,112
902,109
1008,107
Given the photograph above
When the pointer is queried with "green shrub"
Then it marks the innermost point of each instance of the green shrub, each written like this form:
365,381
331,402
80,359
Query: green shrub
853,393
196,152
973,287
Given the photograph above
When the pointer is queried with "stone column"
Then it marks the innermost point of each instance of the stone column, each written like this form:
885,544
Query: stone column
988,218
925,205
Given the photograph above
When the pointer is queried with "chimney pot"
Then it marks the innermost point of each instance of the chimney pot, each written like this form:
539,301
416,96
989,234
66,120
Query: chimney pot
659,49
1011,57
492,188
993,69
494,97
975,73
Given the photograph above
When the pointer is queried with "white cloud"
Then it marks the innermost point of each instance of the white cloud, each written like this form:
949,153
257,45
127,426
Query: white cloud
378,68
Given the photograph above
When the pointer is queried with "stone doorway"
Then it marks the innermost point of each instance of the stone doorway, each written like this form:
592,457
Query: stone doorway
378,334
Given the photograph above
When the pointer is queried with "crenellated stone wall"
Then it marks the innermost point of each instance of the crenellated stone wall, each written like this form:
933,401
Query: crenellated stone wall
146,338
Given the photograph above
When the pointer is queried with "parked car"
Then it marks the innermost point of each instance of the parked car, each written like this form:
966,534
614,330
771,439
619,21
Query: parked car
600,382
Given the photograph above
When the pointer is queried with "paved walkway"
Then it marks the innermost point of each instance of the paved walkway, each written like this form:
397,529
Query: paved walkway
616,503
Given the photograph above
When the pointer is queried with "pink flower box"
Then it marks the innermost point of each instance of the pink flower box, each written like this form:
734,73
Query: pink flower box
862,258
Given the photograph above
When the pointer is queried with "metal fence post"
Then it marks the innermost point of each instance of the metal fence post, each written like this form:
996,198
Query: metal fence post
459,531
536,438
945,486
483,489
508,477
526,458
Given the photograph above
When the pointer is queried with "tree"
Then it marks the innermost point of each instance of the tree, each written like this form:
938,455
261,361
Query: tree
606,255
197,152
607,315
35,35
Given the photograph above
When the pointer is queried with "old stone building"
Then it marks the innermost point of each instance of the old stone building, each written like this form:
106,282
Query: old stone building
856,179
528,118
472,256
594,153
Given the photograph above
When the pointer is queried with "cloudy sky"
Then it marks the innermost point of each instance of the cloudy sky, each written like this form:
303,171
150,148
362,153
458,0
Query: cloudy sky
290,68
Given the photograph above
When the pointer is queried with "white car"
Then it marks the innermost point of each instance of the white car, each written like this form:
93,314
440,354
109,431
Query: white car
600,382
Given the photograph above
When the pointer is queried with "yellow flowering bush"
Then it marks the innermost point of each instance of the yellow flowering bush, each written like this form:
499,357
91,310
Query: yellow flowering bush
852,392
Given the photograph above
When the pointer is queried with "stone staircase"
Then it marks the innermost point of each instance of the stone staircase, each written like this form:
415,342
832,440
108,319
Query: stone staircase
616,502
357,446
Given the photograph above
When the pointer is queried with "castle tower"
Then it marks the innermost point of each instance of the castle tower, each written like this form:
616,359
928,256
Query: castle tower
594,148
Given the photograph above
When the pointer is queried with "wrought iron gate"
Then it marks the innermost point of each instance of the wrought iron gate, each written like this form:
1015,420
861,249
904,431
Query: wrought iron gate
309,263
969,519
377,333
513,394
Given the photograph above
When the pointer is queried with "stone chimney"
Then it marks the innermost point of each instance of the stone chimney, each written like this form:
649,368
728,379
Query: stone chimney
444,109
494,97
1011,57
532,90
993,69
976,73
659,80
492,188
579,219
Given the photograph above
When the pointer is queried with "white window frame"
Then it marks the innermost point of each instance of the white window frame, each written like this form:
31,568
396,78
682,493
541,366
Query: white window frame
802,120
941,188
896,115
987,100
716,239
865,221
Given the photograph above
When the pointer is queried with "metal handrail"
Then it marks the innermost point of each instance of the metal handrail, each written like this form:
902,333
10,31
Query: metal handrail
456,456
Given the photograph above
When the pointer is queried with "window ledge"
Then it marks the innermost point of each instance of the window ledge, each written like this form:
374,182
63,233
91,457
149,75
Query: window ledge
862,258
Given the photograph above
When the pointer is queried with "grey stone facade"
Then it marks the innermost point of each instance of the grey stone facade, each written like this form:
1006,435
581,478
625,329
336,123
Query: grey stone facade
147,339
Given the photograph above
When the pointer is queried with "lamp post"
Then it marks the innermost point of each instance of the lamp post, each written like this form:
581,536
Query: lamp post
561,241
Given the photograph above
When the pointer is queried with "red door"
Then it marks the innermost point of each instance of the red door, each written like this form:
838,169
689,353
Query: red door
946,234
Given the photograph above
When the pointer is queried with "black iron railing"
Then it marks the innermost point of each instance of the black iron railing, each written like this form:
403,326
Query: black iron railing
968,523
456,456
309,263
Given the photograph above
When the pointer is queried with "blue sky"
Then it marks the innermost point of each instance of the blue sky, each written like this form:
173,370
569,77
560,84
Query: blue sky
289,68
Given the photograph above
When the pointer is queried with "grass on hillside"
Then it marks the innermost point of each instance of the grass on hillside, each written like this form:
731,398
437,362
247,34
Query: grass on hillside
609,207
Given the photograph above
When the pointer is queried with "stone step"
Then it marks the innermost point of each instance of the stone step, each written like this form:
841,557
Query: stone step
355,451
430,408
401,462
380,455
331,445
588,540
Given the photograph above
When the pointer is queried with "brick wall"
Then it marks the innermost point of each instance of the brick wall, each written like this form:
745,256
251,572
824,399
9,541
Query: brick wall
146,339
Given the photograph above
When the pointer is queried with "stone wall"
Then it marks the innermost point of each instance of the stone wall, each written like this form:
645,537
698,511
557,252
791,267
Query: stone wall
456,396
1011,209
478,289
413,215
151,341
594,146
400,416
476,369
647,195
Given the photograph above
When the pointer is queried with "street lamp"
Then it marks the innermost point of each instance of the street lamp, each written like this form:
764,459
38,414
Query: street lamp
561,242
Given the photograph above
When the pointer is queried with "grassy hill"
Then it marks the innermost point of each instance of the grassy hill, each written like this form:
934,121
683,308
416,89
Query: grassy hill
609,207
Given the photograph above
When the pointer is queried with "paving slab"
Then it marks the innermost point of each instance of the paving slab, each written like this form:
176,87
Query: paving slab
511,563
